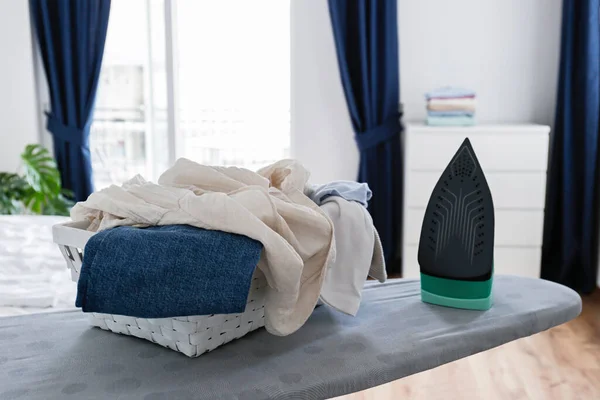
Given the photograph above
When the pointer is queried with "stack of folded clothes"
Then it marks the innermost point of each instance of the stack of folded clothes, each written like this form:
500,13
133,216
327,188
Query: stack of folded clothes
450,106
190,244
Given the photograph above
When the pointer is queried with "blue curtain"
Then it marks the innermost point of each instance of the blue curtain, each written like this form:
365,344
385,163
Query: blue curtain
71,36
570,249
366,40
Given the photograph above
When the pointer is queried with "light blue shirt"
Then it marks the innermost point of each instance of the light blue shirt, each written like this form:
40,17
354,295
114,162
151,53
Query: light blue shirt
348,190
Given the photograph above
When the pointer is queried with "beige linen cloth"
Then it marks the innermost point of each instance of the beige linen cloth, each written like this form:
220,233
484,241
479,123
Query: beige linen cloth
358,254
268,205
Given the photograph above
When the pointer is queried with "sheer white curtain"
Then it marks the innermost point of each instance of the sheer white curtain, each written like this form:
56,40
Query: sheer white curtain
203,79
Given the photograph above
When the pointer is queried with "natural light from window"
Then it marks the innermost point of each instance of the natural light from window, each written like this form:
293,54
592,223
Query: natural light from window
230,79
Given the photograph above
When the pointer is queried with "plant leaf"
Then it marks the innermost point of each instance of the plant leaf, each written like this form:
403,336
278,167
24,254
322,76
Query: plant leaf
68,194
59,205
12,188
40,170
34,201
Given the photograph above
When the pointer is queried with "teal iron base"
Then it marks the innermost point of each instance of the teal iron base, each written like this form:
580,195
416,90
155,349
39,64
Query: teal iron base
470,295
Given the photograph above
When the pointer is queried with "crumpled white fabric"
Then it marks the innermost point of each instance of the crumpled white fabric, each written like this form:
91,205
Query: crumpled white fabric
268,205
358,254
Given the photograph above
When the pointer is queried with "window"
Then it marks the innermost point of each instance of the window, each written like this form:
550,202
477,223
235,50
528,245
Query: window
122,132
202,79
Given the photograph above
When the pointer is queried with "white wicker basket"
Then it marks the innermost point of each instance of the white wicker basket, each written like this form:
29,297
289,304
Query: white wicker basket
193,335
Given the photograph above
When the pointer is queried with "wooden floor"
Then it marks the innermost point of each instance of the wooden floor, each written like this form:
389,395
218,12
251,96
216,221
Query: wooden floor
562,363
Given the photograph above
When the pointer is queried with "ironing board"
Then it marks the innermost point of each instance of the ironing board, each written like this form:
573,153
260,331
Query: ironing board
56,355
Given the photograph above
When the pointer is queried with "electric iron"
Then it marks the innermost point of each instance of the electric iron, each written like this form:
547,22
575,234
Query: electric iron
456,247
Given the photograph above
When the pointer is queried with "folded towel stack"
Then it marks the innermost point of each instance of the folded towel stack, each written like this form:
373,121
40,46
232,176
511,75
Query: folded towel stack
450,106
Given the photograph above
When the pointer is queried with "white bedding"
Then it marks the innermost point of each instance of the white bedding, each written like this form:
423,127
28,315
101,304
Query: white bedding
33,274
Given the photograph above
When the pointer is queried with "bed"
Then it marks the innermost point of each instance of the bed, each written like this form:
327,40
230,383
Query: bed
33,274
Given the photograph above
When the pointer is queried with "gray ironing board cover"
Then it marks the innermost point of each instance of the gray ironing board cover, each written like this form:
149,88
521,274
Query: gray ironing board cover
58,356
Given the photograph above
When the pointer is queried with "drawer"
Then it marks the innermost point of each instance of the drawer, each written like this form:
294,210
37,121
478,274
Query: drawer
432,151
509,189
522,261
513,227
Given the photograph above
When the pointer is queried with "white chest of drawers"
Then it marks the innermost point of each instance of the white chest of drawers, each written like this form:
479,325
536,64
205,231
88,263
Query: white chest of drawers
514,159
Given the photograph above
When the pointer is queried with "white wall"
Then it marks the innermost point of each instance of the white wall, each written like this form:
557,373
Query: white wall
506,50
18,101
321,135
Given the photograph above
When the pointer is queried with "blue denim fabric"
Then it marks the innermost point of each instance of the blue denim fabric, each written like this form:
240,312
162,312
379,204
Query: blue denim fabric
166,271
348,190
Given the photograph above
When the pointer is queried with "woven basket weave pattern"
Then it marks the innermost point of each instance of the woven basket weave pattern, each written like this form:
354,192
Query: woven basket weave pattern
193,335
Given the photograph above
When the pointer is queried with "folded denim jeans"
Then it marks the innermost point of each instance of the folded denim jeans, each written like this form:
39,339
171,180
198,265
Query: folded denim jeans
166,271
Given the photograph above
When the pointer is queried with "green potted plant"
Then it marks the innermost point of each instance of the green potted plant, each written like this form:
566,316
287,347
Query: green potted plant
38,189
